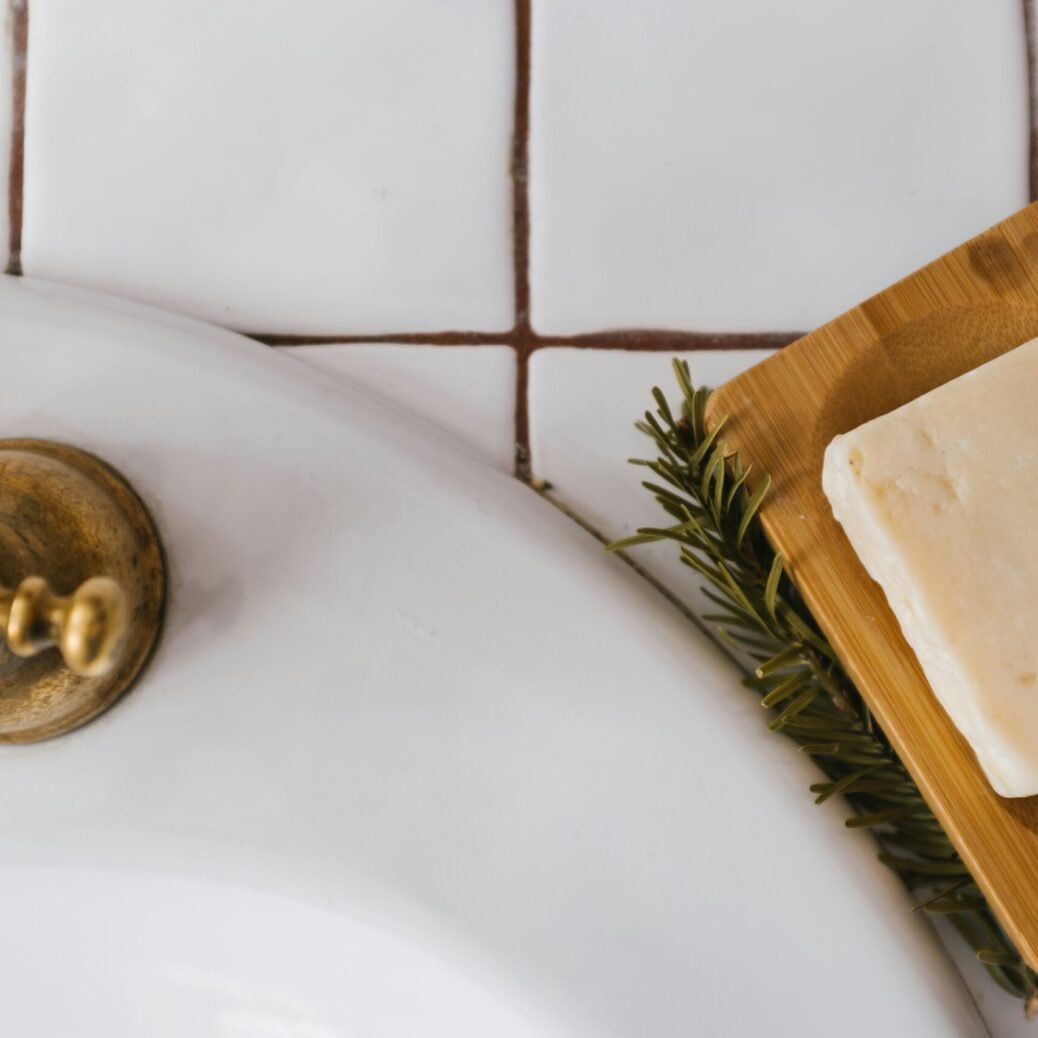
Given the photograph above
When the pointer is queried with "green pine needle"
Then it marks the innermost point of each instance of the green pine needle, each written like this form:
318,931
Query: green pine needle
704,488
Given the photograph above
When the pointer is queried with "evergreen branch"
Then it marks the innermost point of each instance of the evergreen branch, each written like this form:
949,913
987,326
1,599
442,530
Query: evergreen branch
703,487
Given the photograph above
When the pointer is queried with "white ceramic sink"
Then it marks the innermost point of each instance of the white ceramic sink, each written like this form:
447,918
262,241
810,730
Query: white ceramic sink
145,954
414,757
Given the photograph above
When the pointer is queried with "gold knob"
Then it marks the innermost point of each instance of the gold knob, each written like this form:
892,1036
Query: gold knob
88,626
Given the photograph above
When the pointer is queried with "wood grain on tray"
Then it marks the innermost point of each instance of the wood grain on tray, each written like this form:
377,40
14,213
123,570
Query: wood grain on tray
966,308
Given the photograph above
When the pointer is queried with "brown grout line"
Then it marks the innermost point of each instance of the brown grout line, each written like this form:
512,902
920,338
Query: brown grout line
403,338
649,341
526,341
19,12
1030,28
523,338
520,168
523,469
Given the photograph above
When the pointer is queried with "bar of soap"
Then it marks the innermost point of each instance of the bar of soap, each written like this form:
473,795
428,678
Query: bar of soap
940,501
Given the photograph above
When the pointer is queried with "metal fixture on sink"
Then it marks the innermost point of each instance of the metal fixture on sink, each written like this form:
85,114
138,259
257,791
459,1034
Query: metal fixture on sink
82,572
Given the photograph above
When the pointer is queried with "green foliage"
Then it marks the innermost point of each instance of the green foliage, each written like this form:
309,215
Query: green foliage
705,490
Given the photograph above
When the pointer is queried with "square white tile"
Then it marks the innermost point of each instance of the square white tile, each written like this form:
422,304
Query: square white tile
469,391
755,165
583,405
318,167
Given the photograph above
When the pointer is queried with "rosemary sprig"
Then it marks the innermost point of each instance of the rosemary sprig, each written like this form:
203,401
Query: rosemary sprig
705,490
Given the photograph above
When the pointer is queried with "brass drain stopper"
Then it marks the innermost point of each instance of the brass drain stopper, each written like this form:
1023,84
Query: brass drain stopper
82,588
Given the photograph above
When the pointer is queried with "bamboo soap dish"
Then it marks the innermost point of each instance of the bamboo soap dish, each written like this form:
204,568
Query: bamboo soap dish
966,308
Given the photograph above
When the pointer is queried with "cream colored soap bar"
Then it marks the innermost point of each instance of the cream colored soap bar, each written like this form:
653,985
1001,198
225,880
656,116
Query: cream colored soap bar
940,501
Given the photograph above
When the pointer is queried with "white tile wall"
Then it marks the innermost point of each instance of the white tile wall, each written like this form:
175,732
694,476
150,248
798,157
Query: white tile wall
314,167
759,165
467,390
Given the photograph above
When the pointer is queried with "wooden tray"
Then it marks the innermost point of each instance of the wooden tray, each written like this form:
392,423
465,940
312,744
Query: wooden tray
966,308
